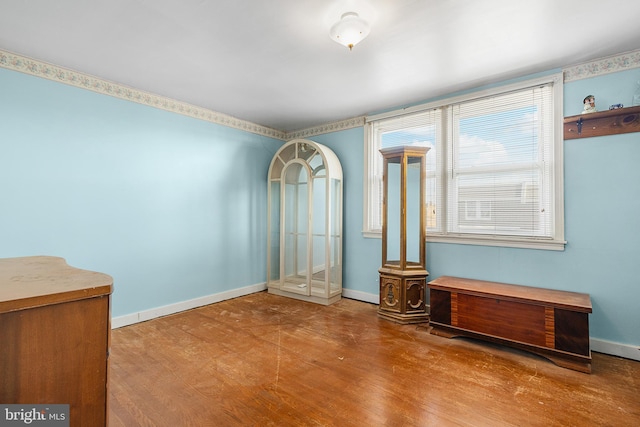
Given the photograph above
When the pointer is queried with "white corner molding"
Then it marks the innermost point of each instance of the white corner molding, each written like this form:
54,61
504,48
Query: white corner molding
351,123
610,64
23,64
15,62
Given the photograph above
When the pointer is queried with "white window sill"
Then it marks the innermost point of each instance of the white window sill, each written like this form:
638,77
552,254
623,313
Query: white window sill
508,242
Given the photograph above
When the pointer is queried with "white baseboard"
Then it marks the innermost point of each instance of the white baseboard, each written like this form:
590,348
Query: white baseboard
615,349
130,319
361,296
601,346
142,316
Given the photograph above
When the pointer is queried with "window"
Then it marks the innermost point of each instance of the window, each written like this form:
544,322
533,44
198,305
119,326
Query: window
477,210
494,170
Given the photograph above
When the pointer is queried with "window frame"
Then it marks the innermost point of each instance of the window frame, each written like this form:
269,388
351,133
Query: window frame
556,242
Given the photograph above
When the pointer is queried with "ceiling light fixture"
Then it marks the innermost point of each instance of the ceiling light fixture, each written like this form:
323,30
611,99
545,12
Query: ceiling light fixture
349,30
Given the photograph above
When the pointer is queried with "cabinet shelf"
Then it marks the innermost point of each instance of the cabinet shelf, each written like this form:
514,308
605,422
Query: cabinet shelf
610,122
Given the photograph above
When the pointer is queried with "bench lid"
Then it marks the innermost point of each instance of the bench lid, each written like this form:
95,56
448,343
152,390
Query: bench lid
564,299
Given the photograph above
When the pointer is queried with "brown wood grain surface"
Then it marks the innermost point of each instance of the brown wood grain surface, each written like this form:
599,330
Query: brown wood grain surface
607,122
265,360
556,298
54,337
28,282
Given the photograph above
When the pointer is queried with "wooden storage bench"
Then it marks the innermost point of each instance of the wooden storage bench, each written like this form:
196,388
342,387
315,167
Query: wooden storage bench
551,323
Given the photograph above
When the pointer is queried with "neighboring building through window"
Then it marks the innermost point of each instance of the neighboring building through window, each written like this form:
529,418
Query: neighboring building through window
494,170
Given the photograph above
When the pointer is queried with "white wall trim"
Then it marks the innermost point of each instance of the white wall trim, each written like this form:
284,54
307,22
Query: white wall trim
141,316
361,296
351,123
615,349
34,67
598,67
601,346
23,64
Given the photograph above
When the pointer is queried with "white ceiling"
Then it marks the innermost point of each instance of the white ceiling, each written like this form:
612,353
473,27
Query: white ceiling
271,62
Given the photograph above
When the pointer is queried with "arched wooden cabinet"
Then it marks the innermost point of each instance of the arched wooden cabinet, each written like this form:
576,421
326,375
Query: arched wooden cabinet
304,254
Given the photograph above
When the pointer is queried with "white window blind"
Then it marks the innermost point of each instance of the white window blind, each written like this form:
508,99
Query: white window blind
421,129
494,168
499,173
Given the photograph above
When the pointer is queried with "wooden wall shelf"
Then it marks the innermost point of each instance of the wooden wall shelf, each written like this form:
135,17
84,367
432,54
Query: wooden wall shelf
609,122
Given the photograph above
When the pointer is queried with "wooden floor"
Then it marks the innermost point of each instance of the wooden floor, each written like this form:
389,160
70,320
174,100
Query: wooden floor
264,360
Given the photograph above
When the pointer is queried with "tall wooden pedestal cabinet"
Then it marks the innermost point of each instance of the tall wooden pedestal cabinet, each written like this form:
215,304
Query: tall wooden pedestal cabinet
54,337
403,275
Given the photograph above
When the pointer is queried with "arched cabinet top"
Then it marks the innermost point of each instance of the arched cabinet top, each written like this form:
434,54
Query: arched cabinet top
320,159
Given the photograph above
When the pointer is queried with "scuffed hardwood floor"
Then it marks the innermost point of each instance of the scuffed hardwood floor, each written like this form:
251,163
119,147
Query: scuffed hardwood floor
265,360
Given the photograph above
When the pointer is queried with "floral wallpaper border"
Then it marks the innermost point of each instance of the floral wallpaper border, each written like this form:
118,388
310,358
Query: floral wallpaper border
37,68
610,64
26,65
326,128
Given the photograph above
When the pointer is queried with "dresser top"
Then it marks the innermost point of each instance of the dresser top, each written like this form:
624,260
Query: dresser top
29,282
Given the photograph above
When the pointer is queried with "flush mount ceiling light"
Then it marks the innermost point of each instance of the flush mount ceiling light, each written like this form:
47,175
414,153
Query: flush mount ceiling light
349,30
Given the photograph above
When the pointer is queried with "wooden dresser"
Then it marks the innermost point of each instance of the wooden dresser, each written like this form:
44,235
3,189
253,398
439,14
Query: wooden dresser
54,336
551,323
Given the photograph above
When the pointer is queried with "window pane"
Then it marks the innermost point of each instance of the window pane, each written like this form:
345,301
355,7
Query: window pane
498,203
497,139
419,129
498,166
494,168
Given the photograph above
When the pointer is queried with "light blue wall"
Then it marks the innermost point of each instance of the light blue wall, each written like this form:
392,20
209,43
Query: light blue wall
175,208
172,207
361,257
602,206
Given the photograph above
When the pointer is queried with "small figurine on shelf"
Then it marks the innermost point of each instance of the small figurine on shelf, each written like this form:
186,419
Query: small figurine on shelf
589,104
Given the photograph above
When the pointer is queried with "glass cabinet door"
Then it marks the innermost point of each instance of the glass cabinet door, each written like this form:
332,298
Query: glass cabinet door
393,206
414,213
335,233
296,219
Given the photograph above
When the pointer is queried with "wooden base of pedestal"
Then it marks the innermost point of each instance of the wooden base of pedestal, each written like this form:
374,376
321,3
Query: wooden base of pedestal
403,296
403,319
